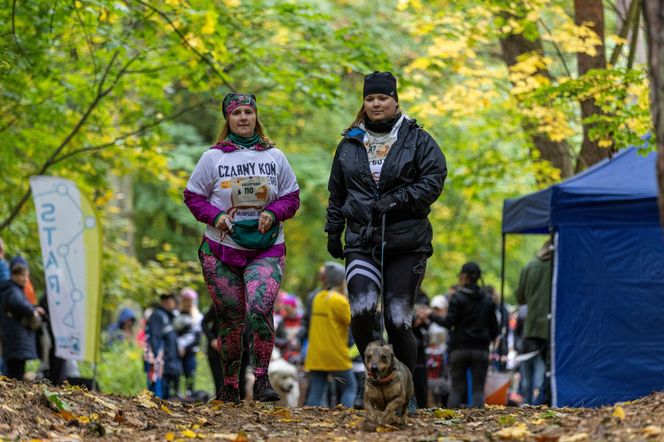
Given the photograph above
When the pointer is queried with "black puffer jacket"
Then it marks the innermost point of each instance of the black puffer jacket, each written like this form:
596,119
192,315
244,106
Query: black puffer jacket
412,176
18,340
471,319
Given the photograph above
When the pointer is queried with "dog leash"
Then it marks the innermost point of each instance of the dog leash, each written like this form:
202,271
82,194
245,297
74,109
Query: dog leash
380,306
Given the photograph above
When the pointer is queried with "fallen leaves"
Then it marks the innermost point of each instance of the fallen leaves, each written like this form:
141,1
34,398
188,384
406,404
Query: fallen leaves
506,420
144,398
619,412
34,414
652,431
444,413
516,432
577,437
55,399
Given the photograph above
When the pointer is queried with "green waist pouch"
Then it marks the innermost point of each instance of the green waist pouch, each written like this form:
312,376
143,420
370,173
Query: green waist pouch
245,233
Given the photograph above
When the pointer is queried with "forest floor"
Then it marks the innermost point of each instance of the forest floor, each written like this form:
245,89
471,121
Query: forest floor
33,411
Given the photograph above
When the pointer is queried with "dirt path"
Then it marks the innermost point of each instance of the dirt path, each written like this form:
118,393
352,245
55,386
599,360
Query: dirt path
33,411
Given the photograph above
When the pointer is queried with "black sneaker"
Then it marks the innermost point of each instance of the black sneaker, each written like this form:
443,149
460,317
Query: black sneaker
263,390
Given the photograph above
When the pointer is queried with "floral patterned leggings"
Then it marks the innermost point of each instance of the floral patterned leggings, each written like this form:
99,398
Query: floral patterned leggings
240,293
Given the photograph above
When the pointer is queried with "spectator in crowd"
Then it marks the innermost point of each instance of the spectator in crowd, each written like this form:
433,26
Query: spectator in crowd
472,322
19,320
162,362
437,357
328,342
534,290
420,325
122,330
285,337
500,349
189,329
303,334
5,274
28,289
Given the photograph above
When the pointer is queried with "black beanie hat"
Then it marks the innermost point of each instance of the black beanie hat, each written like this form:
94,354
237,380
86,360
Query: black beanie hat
472,269
381,83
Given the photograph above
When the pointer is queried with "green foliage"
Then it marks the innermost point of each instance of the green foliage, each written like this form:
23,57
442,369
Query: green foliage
124,97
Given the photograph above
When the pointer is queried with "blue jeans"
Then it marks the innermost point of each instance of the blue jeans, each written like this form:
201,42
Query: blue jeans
532,376
346,383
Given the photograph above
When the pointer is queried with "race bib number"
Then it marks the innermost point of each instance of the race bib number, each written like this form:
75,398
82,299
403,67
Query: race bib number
249,191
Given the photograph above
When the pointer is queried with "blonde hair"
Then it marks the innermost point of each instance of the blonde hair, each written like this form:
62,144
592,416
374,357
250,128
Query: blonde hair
226,130
359,118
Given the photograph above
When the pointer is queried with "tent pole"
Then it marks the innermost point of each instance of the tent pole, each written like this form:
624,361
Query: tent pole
503,327
547,375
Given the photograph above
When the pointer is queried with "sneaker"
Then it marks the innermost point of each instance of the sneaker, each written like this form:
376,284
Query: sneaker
228,394
263,390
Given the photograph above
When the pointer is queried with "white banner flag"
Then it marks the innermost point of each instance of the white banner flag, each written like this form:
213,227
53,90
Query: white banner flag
70,240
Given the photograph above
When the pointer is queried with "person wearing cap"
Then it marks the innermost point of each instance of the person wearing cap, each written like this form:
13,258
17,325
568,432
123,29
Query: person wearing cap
243,188
472,322
386,168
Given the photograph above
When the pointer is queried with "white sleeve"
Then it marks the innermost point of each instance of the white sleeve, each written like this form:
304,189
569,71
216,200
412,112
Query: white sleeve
203,177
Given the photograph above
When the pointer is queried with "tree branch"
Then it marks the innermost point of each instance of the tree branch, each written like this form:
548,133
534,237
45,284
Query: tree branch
634,37
87,38
558,50
624,30
18,45
101,93
141,130
202,57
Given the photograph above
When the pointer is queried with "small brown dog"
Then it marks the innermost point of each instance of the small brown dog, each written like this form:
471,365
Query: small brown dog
388,386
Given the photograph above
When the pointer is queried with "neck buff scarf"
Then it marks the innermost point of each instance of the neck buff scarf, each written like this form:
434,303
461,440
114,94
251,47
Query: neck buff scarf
246,143
381,127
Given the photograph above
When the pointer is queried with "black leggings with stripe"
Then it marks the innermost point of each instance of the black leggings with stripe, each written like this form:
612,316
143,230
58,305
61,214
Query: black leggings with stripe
403,274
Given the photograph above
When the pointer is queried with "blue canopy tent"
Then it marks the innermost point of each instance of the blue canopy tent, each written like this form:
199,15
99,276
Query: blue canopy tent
607,322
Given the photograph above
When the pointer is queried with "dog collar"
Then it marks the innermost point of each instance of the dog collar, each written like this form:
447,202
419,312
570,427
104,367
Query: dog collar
386,380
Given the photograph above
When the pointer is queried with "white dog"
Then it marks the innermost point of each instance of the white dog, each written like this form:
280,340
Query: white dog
284,380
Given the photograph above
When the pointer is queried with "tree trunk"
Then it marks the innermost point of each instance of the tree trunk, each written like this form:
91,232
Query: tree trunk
556,152
590,11
653,13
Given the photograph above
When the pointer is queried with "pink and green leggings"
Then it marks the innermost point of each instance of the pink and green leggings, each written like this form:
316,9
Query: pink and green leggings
238,293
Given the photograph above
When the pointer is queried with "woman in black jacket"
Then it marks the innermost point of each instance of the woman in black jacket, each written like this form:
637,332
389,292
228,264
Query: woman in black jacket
19,320
473,325
386,171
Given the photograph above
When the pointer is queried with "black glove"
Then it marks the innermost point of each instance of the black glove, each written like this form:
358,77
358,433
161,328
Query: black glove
385,205
334,246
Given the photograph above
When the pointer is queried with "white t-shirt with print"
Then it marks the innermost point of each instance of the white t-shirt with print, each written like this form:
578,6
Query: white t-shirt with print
244,182
378,145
